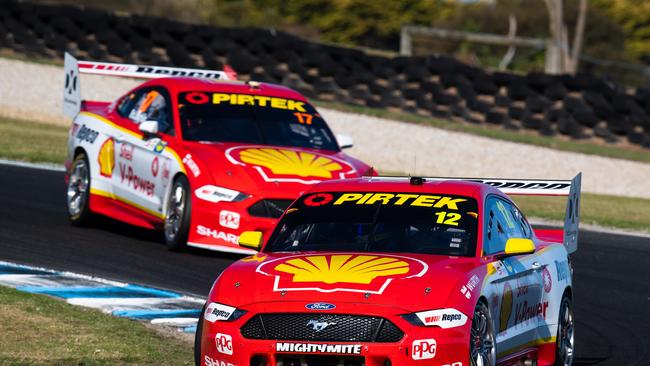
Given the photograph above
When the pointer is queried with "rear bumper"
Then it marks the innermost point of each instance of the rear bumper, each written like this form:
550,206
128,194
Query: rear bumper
223,344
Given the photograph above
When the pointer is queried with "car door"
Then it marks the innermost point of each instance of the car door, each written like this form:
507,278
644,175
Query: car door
516,282
139,160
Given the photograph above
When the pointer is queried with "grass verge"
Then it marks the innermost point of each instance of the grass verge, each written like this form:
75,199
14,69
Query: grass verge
596,209
32,141
39,330
525,137
36,142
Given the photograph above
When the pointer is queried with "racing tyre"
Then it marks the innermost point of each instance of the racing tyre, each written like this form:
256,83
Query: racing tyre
197,338
482,341
564,344
78,191
177,218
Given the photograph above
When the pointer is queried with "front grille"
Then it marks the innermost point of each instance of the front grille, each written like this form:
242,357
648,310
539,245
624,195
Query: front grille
339,328
311,360
269,208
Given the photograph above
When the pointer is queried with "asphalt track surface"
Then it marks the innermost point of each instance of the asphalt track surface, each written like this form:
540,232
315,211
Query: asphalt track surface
611,272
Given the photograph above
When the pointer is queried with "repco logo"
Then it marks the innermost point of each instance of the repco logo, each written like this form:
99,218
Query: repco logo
451,317
224,343
424,349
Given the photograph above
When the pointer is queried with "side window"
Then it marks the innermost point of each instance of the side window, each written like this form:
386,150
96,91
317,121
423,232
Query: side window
126,104
152,105
502,222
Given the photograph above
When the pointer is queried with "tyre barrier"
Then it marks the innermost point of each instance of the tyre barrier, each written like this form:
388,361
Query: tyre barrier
579,106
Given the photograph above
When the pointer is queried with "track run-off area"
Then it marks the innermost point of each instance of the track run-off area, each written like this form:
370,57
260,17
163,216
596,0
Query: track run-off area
611,271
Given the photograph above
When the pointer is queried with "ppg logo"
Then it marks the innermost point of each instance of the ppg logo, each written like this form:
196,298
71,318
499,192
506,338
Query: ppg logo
423,349
224,343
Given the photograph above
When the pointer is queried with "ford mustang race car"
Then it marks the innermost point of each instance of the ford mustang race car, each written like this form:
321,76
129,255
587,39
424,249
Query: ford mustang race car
195,154
381,271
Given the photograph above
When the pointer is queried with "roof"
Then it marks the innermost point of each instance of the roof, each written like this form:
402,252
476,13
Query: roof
402,184
183,84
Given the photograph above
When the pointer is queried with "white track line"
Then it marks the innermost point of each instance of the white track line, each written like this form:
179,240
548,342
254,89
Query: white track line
41,166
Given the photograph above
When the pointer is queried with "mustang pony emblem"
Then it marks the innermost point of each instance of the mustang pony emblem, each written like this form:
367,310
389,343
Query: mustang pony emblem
318,326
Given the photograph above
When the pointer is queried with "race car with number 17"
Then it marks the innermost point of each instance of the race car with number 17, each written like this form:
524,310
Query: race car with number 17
195,153
382,271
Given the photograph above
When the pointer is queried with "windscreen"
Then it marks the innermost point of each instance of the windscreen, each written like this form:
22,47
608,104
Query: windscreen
378,222
254,119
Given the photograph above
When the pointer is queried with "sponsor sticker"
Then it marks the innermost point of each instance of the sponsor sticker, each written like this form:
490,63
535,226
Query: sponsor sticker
469,286
229,219
245,99
155,166
525,311
291,347
215,312
106,158
320,306
126,151
562,270
547,281
224,343
216,234
135,181
424,349
209,361
87,134
192,165
443,318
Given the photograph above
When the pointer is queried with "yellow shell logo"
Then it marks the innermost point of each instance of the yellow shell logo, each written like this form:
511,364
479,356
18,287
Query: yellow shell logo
506,307
106,158
362,269
289,162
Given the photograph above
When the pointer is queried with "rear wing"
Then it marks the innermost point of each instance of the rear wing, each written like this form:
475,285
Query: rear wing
74,67
539,187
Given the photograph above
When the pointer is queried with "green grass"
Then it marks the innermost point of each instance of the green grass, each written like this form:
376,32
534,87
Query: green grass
524,137
32,141
597,209
39,330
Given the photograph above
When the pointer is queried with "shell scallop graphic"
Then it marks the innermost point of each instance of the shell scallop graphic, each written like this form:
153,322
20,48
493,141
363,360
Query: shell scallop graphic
290,162
342,272
106,158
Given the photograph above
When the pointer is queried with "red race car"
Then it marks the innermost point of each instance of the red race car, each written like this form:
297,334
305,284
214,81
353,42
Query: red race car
195,154
400,272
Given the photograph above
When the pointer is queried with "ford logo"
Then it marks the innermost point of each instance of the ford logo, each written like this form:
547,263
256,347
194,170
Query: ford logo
320,306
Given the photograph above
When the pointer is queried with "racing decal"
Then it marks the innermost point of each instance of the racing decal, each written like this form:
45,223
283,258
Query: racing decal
320,306
166,170
126,151
224,343
135,181
229,219
292,347
215,312
192,165
209,361
443,318
340,272
469,286
290,165
155,166
424,349
525,312
106,158
87,134
245,99
318,199
547,281
562,270
216,234
400,199
506,307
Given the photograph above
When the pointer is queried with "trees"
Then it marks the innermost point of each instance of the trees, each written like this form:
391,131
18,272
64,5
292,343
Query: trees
561,57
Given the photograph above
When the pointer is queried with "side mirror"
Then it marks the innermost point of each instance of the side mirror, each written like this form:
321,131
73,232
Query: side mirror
149,127
251,239
345,141
517,246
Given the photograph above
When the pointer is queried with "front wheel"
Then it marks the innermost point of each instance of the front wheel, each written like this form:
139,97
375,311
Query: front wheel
482,340
78,191
177,218
564,342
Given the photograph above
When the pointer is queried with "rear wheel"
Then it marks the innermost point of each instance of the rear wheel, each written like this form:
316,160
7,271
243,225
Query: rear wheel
197,339
482,344
564,346
177,218
78,191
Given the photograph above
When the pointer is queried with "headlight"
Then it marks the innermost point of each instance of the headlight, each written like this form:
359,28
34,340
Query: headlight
220,312
216,194
443,318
